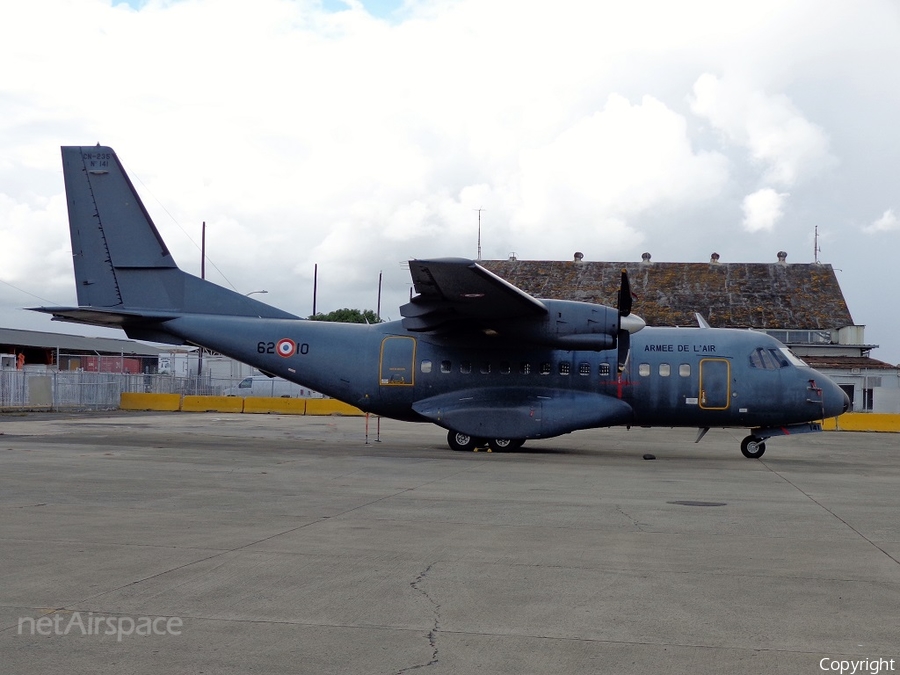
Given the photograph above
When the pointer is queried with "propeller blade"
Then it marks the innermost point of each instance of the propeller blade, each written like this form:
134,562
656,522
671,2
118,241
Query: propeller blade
624,340
625,295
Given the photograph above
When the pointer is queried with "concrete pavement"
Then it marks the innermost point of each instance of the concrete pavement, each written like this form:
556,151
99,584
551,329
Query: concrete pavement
286,544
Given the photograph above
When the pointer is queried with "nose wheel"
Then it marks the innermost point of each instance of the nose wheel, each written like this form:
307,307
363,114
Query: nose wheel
753,447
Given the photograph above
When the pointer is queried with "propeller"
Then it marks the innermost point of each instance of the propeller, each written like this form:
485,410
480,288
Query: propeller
628,323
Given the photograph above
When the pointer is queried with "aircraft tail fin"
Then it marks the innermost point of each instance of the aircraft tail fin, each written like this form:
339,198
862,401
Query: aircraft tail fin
122,264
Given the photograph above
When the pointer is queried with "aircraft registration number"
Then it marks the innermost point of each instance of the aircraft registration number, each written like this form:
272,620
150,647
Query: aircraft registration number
284,347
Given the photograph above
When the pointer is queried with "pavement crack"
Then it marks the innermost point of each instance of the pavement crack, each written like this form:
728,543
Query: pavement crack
417,584
633,520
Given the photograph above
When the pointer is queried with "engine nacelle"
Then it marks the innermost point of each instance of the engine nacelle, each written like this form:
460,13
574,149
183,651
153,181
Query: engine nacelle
572,325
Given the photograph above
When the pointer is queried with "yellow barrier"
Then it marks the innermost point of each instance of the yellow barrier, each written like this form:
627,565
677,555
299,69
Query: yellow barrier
165,402
224,404
863,422
279,406
328,406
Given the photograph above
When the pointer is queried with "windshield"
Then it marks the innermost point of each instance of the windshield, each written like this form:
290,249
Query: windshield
789,355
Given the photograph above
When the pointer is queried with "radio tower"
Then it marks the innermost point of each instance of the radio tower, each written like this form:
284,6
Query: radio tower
479,233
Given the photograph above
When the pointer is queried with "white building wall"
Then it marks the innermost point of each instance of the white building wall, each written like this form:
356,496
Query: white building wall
885,386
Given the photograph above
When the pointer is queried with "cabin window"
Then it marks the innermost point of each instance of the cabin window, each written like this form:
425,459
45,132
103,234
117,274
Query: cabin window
665,370
465,367
504,368
564,367
446,367
644,369
684,370
584,368
426,366
246,383
604,370
545,368
525,368
485,368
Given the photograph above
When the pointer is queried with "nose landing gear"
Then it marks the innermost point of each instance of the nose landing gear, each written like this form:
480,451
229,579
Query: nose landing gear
753,447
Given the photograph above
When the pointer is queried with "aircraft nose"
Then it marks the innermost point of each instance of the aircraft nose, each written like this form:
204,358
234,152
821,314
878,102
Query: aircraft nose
836,400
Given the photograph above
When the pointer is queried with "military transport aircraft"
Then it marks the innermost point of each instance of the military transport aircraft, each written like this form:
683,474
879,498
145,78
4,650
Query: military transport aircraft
472,353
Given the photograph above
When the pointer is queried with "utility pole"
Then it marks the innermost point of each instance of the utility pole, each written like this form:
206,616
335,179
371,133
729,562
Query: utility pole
479,232
202,276
378,307
315,285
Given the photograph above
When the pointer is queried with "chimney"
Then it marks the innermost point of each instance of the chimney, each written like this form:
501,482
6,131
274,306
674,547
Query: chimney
512,256
782,257
645,259
714,259
579,256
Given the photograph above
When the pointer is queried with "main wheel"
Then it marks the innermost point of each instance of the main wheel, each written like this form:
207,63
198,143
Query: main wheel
505,444
460,441
753,447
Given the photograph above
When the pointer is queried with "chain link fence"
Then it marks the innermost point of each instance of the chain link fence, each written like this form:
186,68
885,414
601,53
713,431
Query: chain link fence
59,390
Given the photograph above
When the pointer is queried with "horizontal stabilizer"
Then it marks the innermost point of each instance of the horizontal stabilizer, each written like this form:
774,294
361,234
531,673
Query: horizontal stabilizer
523,413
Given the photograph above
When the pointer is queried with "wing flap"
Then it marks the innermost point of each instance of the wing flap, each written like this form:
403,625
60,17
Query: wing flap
519,413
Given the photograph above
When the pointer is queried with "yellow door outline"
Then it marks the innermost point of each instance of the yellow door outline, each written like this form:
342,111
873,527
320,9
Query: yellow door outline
399,370
703,397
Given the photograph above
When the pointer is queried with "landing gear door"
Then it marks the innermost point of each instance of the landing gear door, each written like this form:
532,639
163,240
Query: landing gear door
715,384
396,367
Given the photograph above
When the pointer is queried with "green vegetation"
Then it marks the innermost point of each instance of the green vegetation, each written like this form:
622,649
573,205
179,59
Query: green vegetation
347,315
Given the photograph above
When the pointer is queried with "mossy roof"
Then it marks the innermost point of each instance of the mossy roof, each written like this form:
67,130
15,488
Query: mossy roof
773,296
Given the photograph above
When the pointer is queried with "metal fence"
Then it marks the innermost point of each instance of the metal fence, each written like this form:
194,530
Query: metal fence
57,390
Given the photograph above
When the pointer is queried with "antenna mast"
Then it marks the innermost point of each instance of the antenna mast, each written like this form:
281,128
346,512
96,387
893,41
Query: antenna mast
479,233
816,249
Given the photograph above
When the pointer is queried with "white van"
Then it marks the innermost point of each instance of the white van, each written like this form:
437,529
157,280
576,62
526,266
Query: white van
273,387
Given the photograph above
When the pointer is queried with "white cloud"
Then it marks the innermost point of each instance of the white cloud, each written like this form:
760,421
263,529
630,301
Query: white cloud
763,209
307,136
618,162
777,135
887,223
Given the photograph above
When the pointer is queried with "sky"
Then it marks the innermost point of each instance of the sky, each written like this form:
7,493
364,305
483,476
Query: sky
355,135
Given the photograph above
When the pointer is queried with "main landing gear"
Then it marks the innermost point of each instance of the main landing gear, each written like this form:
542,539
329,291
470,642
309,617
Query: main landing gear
753,447
460,441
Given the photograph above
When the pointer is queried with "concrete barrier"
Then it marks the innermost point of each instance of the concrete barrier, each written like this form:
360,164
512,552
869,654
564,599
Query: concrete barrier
224,404
328,406
863,422
164,402
277,406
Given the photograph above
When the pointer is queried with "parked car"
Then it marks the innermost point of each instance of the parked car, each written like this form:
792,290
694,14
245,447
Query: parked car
274,387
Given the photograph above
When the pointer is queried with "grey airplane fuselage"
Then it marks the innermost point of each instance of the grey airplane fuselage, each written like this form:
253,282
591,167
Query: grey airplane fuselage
697,377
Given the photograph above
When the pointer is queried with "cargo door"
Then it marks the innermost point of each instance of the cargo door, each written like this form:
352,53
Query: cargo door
397,362
715,384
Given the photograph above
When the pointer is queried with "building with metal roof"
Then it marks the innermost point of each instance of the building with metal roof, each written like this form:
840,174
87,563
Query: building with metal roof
71,352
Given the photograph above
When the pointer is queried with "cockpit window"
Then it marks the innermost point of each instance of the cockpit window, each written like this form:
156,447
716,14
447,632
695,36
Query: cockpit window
773,359
792,358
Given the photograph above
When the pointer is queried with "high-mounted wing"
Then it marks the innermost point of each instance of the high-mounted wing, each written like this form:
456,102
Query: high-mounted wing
459,297
456,289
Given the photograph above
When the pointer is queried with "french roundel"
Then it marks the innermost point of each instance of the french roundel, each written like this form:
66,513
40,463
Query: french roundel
285,347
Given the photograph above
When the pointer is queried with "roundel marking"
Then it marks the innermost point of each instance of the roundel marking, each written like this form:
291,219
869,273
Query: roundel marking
285,347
